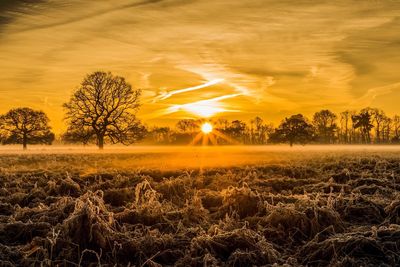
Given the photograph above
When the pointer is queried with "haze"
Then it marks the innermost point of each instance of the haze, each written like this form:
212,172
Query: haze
240,59
195,157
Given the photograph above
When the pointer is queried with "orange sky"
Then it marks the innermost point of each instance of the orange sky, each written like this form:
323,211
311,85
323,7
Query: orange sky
235,58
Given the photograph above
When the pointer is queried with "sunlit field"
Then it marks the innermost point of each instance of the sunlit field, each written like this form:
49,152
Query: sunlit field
200,206
180,157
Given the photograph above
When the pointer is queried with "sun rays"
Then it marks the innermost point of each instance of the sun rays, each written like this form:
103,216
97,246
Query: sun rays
210,135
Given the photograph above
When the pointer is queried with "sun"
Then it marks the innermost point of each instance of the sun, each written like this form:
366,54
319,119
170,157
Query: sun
206,128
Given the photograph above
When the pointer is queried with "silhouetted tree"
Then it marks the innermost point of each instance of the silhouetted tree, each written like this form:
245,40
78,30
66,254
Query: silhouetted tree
104,107
187,130
222,124
396,129
160,135
293,130
237,130
324,122
187,125
378,118
77,133
346,126
25,126
386,129
362,121
259,131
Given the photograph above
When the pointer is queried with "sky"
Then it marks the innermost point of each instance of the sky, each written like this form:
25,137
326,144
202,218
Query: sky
202,58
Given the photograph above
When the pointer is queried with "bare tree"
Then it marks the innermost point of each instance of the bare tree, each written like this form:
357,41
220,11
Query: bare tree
387,129
259,131
187,125
378,118
237,130
104,108
345,125
396,129
324,122
25,126
222,124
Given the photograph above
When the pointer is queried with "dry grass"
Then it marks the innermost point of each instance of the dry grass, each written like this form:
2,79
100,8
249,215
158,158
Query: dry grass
325,209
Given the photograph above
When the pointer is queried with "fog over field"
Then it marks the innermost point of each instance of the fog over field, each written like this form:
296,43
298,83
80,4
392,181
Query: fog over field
181,157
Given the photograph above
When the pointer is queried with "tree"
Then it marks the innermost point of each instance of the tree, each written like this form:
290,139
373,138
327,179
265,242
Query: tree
103,108
396,129
325,124
187,125
237,130
80,134
362,121
346,127
378,118
387,129
259,131
161,135
295,129
222,124
25,126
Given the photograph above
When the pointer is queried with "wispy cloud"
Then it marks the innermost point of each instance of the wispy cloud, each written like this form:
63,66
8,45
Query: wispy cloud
373,93
23,6
202,108
165,95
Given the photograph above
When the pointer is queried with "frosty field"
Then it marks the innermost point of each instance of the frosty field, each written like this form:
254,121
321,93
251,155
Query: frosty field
200,206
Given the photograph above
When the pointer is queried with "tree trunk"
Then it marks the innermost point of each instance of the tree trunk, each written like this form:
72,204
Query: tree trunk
24,141
100,141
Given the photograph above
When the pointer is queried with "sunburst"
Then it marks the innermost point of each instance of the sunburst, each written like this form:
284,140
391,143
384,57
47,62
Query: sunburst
208,134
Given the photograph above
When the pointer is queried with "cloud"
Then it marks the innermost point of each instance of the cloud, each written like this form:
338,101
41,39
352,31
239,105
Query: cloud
11,9
278,57
204,108
164,95
373,93
373,54
89,15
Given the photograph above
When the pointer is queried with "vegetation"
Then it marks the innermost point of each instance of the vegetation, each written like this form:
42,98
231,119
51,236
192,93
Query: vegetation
103,108
25,126
369,126
115,121
340,209
325,125
295,129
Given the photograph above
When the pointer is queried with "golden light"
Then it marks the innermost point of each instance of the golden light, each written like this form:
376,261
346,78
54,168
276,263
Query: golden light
206,128
209,134
165,95
204,108
204,111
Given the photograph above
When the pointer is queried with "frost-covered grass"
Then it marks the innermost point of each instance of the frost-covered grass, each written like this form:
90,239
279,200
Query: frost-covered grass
299,208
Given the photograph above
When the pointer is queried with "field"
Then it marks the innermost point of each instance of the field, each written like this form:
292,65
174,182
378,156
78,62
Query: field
200,206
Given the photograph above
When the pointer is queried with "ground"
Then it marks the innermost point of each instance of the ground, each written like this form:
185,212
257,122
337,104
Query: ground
194,206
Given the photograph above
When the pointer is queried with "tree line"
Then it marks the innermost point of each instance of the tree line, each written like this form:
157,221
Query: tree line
103,110
367,126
